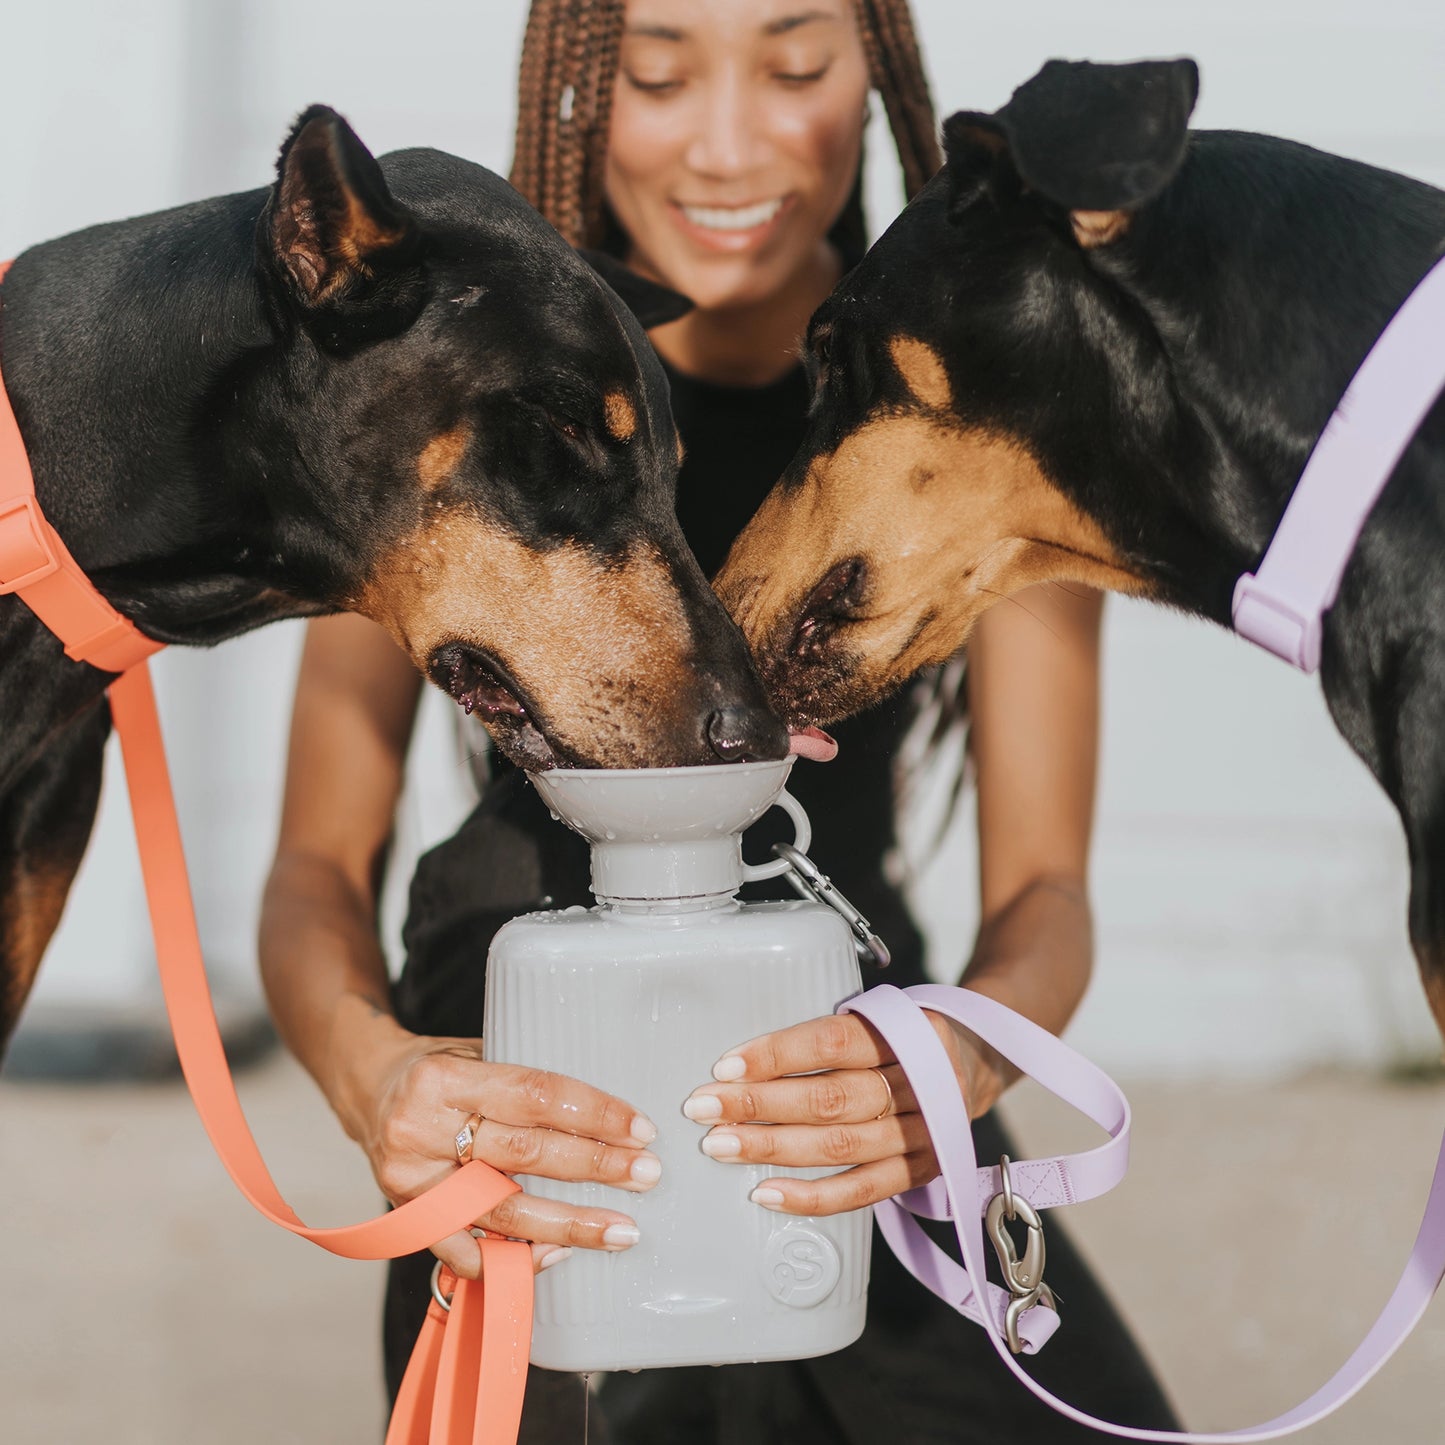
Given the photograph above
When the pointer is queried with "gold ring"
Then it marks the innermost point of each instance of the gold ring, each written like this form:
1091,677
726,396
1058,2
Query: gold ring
466,1136
887,1103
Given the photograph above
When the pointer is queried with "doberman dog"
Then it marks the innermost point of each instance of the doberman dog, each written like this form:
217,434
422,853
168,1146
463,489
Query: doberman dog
387,387
1098,348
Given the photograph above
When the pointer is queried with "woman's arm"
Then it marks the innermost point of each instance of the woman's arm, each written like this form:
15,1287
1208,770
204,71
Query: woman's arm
402,1096
1034,714
1033,688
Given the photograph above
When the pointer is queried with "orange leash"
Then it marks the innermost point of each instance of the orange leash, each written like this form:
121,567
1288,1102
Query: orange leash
479,1349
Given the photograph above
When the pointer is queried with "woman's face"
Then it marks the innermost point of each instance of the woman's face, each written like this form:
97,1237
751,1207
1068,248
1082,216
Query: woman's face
737,129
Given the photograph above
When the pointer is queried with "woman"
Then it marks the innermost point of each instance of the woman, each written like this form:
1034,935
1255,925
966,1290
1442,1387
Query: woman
716,148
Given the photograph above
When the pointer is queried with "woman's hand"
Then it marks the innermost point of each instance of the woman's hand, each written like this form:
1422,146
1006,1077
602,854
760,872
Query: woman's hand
828,1093
533,1122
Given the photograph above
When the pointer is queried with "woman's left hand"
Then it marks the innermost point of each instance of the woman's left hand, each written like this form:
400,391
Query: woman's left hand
851,1107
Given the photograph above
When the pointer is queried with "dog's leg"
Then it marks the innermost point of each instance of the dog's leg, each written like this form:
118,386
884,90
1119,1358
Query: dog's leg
45,823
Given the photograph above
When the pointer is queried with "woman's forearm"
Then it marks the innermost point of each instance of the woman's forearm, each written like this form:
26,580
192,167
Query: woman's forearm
326,981
1034,956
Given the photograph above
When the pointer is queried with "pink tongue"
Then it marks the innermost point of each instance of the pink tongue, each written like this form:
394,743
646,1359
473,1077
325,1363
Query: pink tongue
813,743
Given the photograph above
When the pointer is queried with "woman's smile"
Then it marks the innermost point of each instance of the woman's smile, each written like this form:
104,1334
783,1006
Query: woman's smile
731,228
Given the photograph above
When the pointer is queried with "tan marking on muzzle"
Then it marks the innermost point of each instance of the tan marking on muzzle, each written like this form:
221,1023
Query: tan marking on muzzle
936,557
441,456
923,370
620,415
603,650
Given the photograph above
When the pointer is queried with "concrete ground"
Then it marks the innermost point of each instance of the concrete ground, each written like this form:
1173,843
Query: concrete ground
142,1302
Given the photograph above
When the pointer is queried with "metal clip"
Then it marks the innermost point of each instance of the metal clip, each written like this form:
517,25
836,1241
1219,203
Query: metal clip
1024,1277
444,1300
809,881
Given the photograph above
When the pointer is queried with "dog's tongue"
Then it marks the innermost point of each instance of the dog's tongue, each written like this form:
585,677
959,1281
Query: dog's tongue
814,744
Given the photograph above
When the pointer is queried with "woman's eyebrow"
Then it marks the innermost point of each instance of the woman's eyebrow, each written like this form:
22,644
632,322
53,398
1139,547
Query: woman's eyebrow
781,26
656,32
792,22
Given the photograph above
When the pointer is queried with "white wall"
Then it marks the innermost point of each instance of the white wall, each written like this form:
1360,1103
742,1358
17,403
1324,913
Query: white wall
1249,878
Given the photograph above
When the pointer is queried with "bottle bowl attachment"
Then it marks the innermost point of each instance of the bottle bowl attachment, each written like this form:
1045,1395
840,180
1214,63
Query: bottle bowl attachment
669,833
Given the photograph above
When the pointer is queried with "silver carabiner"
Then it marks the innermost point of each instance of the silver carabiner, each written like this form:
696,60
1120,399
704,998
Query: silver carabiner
810,882
1024,1277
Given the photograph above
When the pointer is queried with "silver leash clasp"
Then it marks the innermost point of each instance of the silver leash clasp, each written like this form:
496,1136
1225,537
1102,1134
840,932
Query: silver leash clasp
1024,1277
809,881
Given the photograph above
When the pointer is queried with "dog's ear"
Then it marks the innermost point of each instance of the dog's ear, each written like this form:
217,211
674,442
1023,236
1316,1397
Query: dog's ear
651,303
1101,140
1098,140
977,160
332,228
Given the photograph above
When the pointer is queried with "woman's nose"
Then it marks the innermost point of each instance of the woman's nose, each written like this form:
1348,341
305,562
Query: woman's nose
729,140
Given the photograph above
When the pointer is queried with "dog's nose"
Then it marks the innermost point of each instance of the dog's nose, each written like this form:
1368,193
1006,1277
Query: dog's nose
744,734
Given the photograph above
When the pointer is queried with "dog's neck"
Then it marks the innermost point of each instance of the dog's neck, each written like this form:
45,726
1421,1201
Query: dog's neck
121,348
1240,335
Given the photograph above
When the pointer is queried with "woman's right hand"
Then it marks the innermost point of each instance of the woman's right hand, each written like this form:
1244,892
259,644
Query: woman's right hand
419,1097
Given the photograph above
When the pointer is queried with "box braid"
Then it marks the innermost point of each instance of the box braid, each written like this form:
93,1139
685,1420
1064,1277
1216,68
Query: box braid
564,104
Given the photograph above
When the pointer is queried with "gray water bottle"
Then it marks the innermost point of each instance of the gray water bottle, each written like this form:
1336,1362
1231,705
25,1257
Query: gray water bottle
640,996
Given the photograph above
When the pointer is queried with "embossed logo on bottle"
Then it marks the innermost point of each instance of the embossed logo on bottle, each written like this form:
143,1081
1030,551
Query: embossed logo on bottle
801,1266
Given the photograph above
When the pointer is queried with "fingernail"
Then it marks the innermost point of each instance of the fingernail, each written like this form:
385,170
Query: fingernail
621,1236
702,1107
729,1068
768,1198
554,1256
646,1169
643,1129
722,1144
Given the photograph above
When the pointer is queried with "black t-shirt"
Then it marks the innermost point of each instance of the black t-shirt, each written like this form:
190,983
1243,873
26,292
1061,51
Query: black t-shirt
511,857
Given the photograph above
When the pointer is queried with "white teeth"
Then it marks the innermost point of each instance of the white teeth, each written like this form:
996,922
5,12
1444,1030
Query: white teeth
733,218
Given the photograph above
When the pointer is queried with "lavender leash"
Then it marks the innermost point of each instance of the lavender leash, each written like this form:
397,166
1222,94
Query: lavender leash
964,1192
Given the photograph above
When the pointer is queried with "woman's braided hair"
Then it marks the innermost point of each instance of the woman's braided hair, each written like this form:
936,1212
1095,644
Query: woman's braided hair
564,105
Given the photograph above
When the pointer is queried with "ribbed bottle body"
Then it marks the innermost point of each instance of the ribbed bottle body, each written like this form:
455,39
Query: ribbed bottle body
642,1008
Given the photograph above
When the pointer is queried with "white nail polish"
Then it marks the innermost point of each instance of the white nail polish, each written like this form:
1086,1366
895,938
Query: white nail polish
643,1129
768,1198
621,1236
702,1107
554,1256
722,1144
647,1170
729,1068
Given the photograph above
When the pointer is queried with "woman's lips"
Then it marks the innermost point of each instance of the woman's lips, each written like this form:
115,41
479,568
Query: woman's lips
730,228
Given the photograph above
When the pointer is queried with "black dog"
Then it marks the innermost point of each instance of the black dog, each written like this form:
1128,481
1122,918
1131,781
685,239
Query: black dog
1099,348
386,388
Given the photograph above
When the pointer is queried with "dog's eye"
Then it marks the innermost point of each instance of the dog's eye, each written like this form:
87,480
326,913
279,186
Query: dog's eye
569,429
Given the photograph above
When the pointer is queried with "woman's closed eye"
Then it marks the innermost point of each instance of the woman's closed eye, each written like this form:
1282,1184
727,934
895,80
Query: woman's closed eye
797,79
653,84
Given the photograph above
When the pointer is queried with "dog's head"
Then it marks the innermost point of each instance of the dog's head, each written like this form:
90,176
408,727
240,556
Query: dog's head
485,459
928,483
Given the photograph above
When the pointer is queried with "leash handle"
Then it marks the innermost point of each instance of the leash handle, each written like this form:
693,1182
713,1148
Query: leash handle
897,1015
451,1206
474,1355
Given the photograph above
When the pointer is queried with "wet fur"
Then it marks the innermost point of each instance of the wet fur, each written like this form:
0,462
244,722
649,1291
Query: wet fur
1148,327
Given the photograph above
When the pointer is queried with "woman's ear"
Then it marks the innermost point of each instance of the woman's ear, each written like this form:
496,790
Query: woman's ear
651,303
1101,140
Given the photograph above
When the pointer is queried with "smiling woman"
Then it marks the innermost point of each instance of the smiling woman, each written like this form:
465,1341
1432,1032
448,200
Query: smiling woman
715,148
